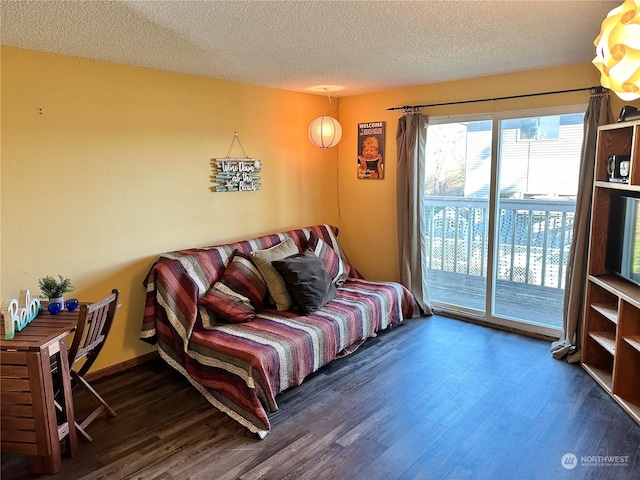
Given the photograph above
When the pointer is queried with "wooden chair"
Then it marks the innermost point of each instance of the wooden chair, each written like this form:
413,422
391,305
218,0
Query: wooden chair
91,333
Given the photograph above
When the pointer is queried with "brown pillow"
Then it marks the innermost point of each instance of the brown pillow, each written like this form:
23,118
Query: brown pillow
307,282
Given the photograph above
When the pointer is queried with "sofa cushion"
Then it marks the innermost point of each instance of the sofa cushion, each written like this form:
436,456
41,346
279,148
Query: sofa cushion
275,284
331,261
226,307
243,279
239,291
307,282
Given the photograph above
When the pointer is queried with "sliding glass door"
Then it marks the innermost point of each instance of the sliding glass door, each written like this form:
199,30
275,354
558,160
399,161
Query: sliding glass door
458,173
499,215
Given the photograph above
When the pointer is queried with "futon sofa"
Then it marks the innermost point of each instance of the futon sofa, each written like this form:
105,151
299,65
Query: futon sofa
242,334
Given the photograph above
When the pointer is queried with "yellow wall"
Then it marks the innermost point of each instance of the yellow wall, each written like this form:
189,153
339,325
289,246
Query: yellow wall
368,207
116,171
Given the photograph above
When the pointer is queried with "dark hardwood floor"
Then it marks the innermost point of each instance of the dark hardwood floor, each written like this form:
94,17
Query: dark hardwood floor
434,398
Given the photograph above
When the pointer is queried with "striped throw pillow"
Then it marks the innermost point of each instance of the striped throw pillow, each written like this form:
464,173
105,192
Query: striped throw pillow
331,261
226,307
238,293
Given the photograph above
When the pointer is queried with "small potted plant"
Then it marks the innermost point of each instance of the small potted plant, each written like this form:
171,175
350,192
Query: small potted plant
54,289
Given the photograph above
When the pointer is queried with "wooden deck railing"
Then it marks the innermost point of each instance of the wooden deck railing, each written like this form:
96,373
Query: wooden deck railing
534,238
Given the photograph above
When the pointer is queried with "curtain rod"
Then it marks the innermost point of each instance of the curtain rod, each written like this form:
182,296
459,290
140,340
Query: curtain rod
592,90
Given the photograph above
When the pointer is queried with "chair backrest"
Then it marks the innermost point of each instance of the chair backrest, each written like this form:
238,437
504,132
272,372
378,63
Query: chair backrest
91,332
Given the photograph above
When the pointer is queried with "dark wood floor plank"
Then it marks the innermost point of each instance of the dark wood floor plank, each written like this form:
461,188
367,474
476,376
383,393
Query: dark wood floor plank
407,449
432,399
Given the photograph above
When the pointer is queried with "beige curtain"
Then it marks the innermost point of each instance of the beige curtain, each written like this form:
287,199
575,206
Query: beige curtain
598,113
411,139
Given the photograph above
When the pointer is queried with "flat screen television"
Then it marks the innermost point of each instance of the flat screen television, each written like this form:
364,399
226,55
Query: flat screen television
623,238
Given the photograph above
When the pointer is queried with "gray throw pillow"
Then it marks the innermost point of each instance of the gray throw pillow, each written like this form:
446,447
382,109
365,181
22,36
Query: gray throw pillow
307,282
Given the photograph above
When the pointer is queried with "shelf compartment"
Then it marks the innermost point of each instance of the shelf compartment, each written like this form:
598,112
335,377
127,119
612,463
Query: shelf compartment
602,376
618,286
597,354
606,340
615,139
634,341
602,314
607,310
630,320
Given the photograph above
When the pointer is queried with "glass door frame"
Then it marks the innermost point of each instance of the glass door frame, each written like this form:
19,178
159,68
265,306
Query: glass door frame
492,247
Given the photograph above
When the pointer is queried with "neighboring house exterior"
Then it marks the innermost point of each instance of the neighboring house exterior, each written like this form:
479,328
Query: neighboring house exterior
552,164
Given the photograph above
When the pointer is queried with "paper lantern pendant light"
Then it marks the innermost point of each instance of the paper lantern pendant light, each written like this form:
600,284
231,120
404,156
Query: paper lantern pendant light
325,131
618,51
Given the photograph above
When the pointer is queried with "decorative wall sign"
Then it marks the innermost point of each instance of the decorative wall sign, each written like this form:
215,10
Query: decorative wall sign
18,314
371,150
236,174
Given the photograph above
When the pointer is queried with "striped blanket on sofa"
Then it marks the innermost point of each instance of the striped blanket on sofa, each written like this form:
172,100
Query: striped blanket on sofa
240,368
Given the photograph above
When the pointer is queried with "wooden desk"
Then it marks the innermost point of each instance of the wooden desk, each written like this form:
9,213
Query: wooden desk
28,418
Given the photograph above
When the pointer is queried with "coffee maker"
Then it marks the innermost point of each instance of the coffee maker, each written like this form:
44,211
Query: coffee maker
618,168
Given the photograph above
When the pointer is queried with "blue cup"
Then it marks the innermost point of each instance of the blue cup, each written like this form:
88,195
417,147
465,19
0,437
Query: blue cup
71,304
54,308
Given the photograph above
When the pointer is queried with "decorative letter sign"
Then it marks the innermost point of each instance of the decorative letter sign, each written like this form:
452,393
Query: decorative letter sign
18,315
237,174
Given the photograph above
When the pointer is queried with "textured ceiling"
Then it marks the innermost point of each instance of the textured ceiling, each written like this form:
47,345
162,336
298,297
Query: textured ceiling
350,47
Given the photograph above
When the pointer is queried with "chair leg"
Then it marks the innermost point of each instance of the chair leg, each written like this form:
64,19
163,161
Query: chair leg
83,383
80,429
102,406
63,399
